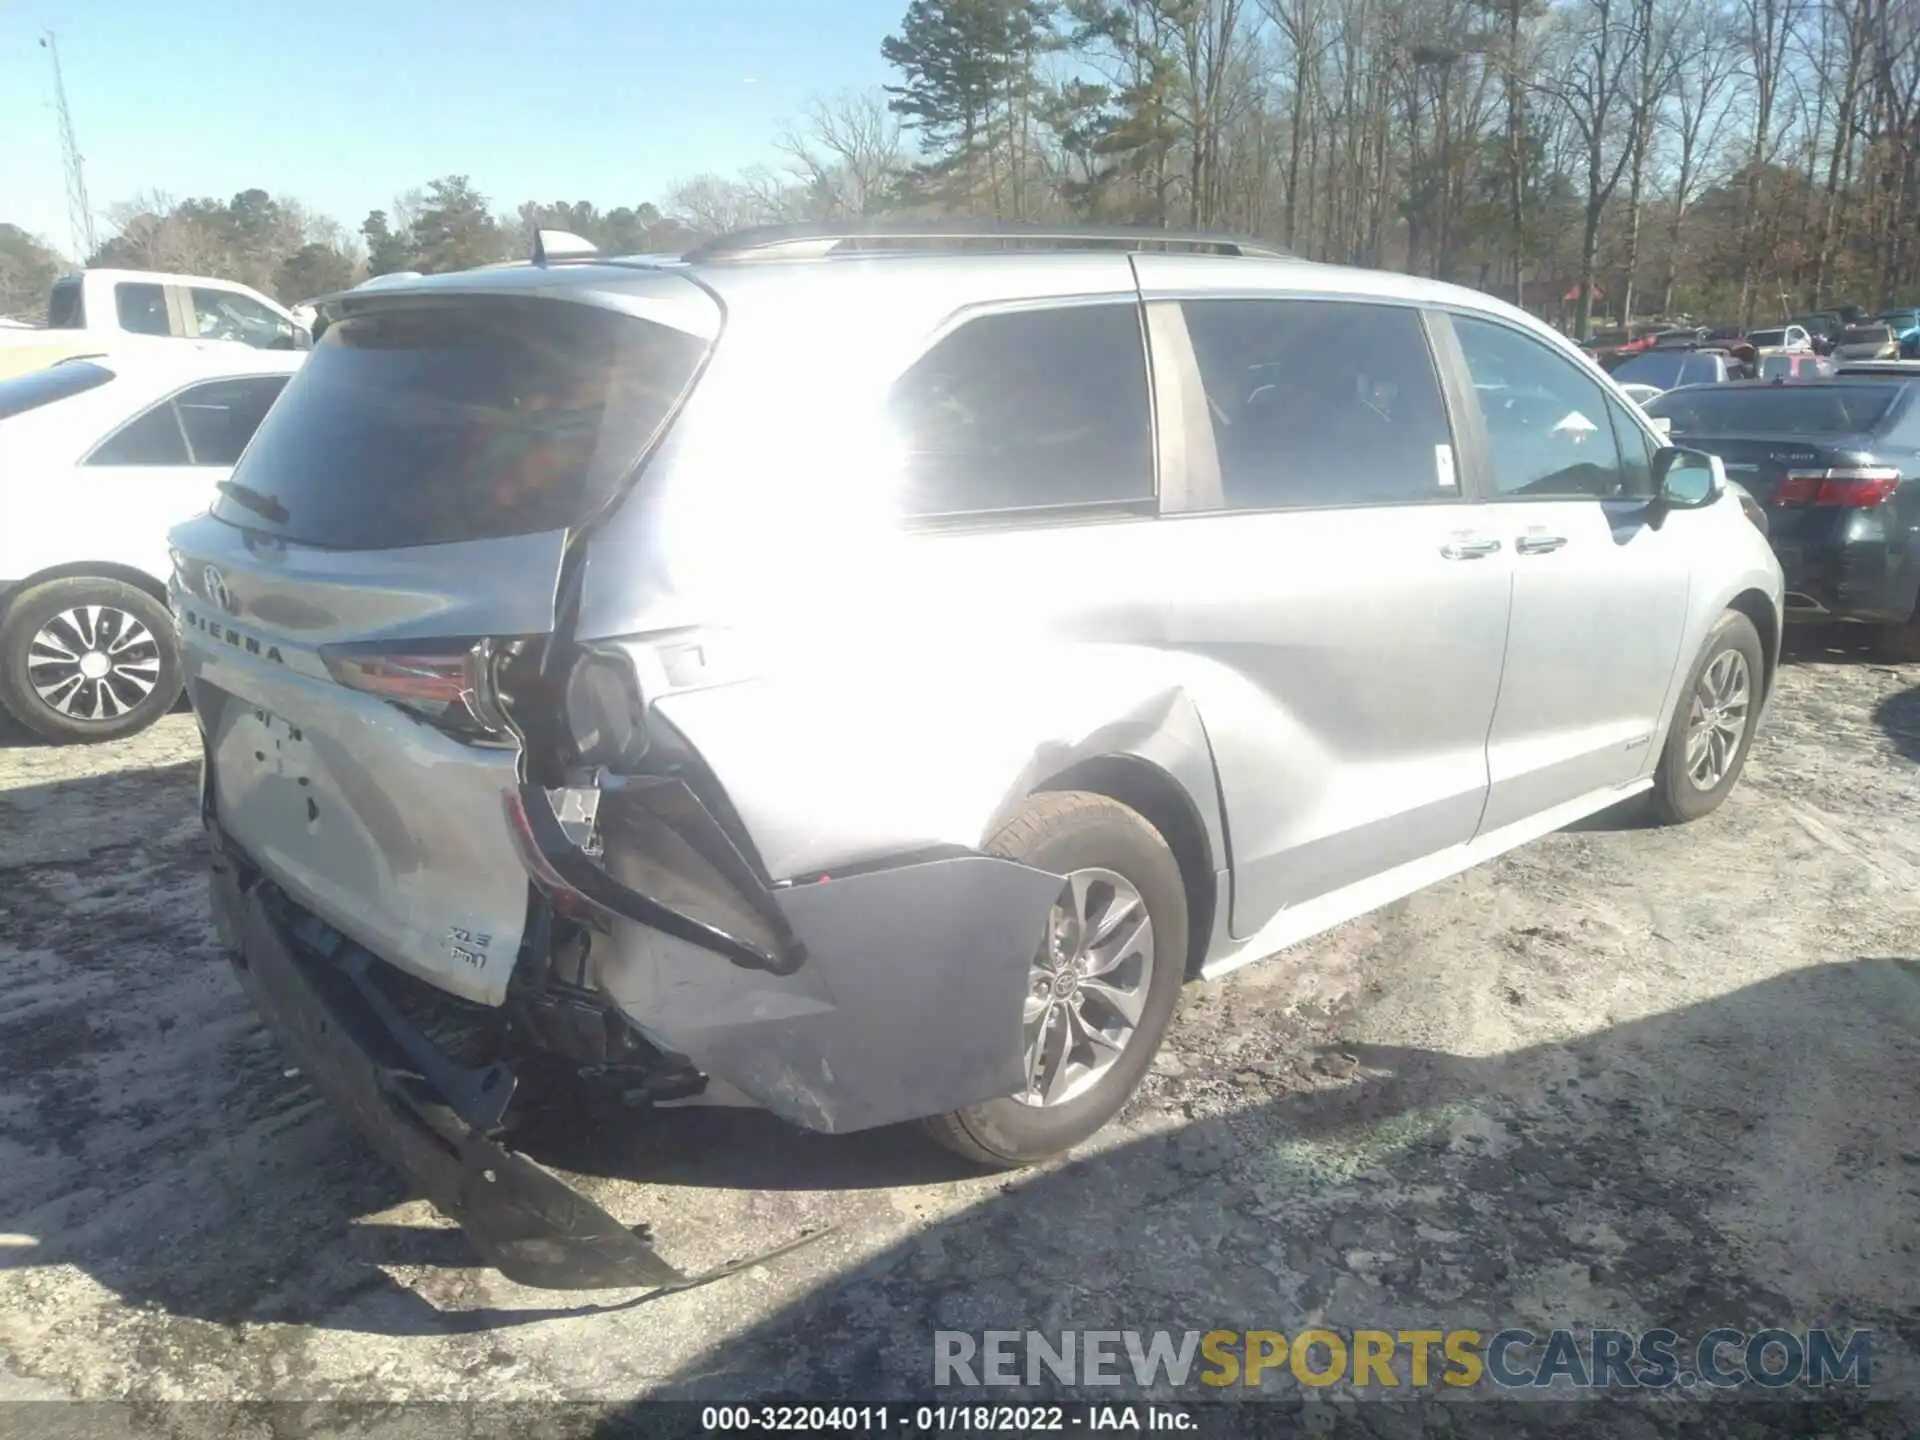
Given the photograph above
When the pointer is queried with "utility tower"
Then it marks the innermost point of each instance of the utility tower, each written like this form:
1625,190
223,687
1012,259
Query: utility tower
79,212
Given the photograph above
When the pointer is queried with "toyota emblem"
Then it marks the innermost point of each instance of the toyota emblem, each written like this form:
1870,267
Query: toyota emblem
216,587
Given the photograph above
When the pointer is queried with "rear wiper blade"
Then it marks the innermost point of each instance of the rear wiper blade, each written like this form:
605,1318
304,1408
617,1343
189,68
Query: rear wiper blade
265,506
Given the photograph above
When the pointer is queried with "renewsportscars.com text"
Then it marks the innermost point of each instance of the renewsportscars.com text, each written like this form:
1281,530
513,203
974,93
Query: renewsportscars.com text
1394,1359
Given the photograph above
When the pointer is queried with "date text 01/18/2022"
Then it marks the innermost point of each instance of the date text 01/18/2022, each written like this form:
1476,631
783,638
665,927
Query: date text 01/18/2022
944,1419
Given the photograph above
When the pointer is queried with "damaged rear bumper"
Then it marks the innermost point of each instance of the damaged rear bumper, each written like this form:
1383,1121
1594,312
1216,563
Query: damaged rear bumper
898,994
437,1122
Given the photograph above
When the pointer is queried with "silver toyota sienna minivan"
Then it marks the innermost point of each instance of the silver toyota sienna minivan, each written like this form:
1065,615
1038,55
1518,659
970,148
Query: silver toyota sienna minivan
863,672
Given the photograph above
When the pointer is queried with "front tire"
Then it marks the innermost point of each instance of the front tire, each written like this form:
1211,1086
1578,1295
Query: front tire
1713,724
87,659
1103,984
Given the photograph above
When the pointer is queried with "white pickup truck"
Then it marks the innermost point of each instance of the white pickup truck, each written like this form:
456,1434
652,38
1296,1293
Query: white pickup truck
98,310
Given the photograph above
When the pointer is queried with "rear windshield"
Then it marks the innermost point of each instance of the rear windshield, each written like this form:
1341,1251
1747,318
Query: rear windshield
1767,337
1608,337
1775,410
422,422
1866,335
43,387
1668,369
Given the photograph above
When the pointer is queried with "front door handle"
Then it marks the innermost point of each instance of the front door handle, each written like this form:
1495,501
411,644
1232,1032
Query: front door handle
1468,546
1539,544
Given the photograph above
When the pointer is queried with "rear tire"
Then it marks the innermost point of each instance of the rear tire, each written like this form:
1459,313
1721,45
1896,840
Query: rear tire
87,659
1713,724
1083,835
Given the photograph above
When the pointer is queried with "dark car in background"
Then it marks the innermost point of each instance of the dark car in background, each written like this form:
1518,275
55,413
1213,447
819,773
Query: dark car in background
1667,368
1836,466
1683,337
1825,326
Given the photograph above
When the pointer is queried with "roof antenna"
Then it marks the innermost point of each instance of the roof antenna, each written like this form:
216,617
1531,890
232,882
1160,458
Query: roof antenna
560,245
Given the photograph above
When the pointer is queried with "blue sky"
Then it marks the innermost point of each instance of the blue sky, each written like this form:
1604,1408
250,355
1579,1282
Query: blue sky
345,103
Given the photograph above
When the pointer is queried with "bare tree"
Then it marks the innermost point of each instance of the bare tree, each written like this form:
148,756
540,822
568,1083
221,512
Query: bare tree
848,153
1592,84
1696,117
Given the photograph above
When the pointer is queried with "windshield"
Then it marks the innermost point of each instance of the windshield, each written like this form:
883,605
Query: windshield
43,387
421,424
1608,337
1767,410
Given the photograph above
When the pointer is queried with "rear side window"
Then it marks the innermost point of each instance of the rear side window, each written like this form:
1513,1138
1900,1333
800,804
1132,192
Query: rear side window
55,382
154,438
423,423
220,416
223,315
1027,410
1321,402
66,307
142,308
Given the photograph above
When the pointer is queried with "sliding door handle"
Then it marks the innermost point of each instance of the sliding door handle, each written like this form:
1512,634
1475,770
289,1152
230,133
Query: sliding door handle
1468,546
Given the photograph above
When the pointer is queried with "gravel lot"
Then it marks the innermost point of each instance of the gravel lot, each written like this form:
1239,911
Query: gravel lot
1624,1077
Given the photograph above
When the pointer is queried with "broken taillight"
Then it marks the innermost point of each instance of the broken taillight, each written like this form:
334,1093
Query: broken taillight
445,683
1851,488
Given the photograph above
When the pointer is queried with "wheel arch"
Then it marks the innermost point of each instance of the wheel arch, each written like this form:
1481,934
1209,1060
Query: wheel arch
1166,804
1758,607
86,570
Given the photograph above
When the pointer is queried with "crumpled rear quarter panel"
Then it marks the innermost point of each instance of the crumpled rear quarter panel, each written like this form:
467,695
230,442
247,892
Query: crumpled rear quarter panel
908,1005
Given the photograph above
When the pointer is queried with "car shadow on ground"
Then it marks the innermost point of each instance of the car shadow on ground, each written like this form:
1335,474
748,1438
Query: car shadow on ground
1829,643
1898,717
1673,1170
1422,1184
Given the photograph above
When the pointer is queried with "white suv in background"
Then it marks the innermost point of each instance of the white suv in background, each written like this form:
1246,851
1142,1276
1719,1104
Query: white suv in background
103,454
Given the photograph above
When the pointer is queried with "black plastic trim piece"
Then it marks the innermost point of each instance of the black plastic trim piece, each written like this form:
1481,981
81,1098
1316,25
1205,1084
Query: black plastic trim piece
579,873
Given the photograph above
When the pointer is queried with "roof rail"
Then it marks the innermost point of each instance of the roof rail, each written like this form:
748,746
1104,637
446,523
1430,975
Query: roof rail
789,242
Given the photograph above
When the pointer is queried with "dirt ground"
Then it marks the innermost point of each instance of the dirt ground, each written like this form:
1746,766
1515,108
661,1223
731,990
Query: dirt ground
1628,1077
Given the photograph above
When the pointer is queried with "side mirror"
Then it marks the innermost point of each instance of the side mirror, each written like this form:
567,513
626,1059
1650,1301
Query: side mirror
1662,426
302,338
1686,479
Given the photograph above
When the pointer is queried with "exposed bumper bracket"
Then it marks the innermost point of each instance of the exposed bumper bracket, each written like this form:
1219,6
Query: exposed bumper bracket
437,1122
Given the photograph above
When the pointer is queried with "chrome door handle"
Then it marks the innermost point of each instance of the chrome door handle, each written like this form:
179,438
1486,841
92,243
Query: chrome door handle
1539,544
1467,546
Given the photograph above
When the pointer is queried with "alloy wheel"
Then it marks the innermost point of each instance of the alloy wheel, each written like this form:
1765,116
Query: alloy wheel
1087,986
93,662
1717,719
